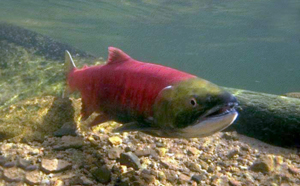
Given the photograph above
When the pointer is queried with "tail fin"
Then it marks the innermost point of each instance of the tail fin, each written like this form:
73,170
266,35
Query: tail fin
69,66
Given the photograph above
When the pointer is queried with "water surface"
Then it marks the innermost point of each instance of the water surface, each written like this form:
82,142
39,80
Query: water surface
253,45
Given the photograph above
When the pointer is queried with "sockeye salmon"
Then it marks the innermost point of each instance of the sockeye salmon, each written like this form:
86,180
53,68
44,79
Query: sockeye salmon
150,98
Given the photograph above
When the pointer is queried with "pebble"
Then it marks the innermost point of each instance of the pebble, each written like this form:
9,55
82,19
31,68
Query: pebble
191,151
232,153
183,179
33,178
59,183
54,165
102,174
230,136
294,170
3,160
114,153
198,177
13,174
130,160
159,144
169,165
203,164
143,152
233,182
86,181
264,164
146,175
31,168
211,169
69,142
161,176
9,164
23,163
193,166
171,177
161,151
115,140
68,128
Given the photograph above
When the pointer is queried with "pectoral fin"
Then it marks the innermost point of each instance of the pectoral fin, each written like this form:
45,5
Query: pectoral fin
133,126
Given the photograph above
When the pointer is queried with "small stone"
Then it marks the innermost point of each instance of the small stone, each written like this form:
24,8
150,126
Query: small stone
86,181
102,174
233,153
130,160
245,148
68,129
33,178
161,151
34,152
169,165
68,142
146,175
3,160
31,168
265,164
161,176
128,149
193,166
294,170
203,164
9,164
230,136
191,151
59,183
159,144
183,179
278,160
115,140
13,174
198,177
143,152
114,153
171,177
234,182
23,163
211,169
54,165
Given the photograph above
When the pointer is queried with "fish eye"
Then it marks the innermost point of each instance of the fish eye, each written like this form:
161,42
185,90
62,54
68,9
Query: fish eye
193,102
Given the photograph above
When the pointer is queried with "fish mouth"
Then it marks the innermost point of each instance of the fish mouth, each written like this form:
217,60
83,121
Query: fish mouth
218,111
212,121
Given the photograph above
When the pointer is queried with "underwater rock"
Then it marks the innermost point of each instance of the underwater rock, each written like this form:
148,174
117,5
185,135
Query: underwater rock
35,118
102,174
54,165
130,160
43,45
271,118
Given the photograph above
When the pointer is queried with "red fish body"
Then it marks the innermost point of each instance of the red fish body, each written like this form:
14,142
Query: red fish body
150,98
123,88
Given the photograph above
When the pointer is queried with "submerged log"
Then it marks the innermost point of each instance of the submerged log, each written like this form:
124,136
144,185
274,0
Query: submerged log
270,118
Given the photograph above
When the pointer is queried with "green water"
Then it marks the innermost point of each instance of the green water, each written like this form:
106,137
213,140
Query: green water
253,45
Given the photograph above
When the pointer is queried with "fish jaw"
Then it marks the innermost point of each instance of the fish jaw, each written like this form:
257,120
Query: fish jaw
203,127
210,125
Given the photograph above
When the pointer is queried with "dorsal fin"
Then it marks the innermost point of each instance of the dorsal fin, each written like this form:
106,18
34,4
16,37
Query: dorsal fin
116,55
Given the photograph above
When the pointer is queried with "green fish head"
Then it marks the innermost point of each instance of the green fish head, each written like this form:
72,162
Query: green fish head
192,108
